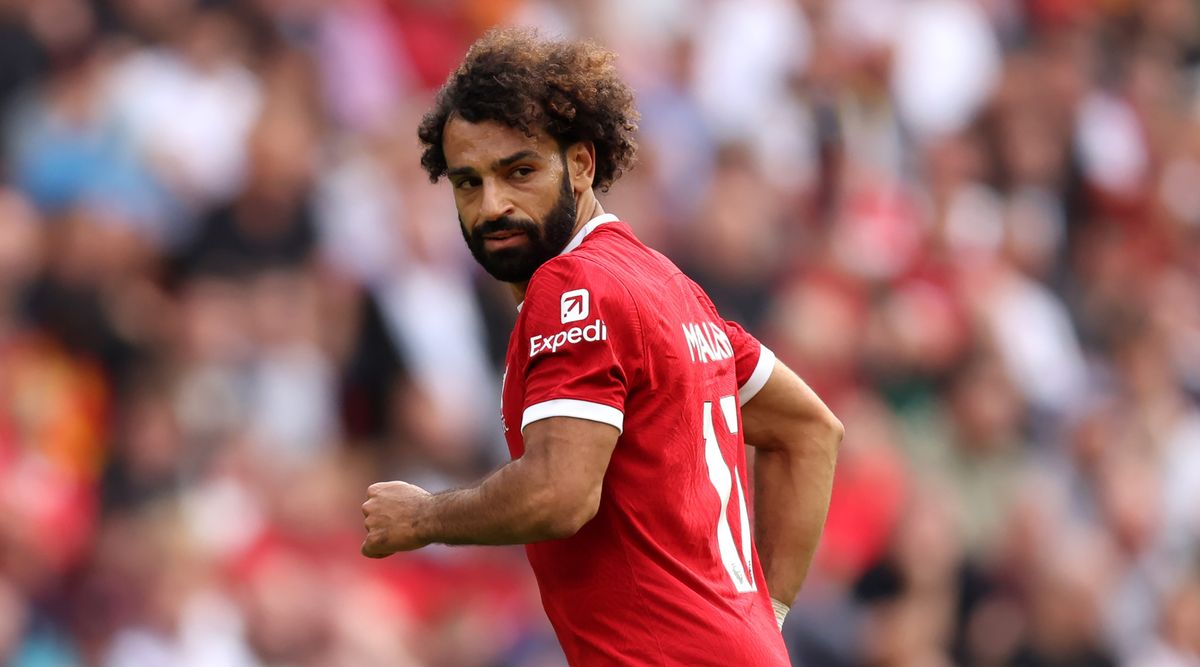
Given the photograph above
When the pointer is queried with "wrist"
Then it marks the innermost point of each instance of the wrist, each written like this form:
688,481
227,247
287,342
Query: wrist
781,611
424,521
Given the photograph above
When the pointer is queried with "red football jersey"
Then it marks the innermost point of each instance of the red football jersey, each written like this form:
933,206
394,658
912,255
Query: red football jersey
666,573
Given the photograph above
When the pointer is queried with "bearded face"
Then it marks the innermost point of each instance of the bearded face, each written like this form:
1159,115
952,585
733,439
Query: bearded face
511,248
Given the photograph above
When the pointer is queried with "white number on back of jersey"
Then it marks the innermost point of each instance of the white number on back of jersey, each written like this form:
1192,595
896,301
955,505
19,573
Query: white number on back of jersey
740,566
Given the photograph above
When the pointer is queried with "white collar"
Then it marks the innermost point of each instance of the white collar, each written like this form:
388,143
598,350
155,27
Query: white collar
588,227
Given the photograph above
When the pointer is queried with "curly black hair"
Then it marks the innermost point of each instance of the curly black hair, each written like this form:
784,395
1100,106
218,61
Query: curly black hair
569,89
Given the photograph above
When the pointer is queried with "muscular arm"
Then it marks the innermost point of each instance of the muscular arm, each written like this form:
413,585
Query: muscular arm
796,440
548,493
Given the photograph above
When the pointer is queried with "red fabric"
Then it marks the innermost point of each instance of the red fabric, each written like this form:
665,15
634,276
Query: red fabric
746,349
644,582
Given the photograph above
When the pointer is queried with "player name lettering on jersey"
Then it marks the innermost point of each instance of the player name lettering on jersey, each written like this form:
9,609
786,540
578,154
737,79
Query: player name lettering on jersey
707,342
591,333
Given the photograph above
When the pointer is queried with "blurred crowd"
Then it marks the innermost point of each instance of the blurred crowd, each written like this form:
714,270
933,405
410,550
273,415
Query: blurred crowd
230,300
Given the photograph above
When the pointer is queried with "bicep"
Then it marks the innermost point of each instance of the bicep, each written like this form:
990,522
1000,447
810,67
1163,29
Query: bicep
568,457
785,403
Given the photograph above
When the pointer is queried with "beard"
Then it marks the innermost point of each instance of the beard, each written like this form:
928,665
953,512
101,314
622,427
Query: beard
544,242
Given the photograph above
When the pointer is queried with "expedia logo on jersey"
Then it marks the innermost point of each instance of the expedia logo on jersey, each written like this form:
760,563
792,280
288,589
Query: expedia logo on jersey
574,306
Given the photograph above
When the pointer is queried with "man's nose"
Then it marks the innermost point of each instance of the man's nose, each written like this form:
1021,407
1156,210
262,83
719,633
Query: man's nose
495,203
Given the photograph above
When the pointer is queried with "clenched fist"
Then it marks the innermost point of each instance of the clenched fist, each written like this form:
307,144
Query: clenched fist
392,510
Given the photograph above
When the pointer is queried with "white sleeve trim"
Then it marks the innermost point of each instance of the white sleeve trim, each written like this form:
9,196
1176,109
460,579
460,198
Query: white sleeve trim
762,373
569,407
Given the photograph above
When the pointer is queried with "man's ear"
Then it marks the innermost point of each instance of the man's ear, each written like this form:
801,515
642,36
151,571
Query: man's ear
581,165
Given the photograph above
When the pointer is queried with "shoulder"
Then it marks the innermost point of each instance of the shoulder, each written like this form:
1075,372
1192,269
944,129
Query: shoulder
575,290
574,271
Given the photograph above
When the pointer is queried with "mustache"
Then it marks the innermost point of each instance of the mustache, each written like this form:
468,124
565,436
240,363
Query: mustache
505,224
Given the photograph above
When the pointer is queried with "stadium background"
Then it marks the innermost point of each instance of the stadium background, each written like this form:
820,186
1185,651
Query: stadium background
230,299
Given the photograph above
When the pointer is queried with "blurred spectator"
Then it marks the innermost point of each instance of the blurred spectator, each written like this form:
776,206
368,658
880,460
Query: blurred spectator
189,107
1176,641
229,300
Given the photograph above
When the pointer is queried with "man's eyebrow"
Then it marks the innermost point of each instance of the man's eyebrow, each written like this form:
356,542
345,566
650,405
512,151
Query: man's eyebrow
502,162
516,157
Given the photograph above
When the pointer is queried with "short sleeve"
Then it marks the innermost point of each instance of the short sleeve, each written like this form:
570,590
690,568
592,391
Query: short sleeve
582,339
753,361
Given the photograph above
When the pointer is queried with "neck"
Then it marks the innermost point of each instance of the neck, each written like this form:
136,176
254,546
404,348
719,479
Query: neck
586,208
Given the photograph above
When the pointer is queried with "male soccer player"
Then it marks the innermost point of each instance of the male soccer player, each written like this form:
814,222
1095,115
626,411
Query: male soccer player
626,396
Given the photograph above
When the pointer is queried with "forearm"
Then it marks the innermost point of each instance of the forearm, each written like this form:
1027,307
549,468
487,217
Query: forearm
509,507
792,487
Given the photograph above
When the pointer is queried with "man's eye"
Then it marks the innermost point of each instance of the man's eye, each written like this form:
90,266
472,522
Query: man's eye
466,184
522,172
